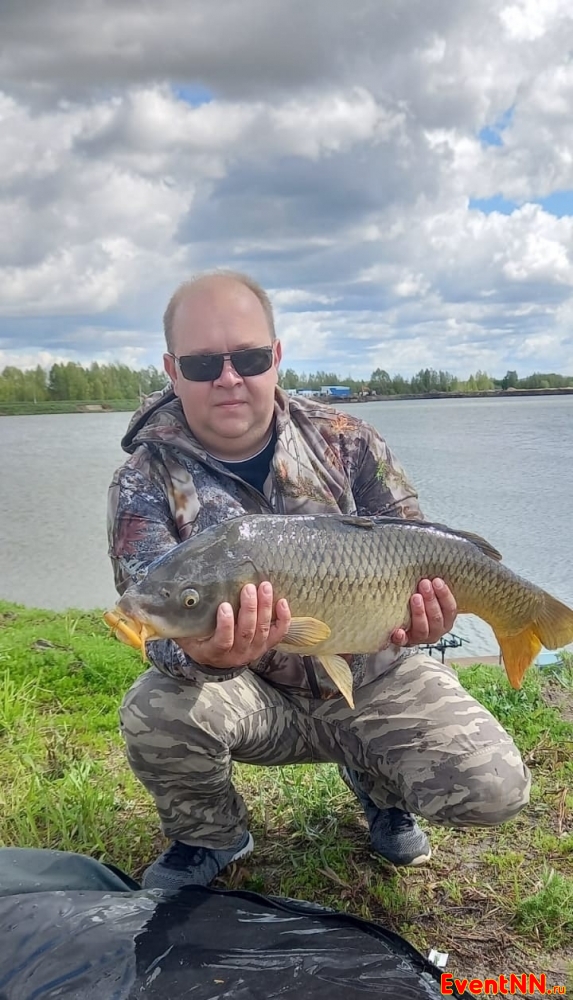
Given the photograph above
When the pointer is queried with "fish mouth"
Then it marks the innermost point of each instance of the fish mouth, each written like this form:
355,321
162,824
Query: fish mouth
135,631
130,630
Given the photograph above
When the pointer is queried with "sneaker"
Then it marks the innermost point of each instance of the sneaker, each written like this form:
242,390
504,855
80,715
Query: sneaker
182,864
394,833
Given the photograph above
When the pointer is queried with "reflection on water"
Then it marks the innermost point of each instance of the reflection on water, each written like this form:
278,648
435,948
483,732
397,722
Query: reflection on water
500,467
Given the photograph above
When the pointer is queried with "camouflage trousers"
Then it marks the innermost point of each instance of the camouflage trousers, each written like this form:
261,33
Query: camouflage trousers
419,740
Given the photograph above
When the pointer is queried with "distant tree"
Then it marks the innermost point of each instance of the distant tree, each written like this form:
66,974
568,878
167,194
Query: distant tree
12,384
544,380
483,381
152,380
57,384
289,379
401,385
447,381
381,383
510,380
355,385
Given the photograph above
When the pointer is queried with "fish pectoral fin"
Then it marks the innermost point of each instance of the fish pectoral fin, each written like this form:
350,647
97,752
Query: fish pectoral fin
339,671
306,632
519,652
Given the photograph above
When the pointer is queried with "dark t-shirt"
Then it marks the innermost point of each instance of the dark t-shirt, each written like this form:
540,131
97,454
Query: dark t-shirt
256,469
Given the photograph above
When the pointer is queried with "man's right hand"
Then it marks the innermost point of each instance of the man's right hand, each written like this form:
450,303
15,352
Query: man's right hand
235,644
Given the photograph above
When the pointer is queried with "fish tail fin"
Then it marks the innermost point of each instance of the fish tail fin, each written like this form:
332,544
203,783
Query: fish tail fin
339,671
519,652
551,628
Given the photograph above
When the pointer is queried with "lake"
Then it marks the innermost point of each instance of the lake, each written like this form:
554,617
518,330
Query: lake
500,467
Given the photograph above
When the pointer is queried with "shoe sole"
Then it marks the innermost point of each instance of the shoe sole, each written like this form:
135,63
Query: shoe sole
245,851
420,859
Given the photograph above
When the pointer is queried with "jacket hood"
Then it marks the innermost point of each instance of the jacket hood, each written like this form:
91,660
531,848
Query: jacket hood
160,419
144,414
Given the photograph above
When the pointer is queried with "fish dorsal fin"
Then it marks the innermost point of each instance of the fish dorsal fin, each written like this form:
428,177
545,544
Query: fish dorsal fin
380,521
482,543
470,536
306,632
359,522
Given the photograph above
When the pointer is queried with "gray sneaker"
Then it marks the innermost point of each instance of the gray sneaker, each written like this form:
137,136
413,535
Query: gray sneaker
183,864
393,833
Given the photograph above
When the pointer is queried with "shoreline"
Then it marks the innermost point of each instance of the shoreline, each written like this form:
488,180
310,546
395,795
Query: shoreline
472,394
26,409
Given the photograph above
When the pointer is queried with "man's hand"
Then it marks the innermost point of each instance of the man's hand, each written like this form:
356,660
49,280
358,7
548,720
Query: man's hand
433,611
237,644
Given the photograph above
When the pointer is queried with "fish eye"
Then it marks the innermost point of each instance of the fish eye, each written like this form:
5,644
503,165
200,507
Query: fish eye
190,598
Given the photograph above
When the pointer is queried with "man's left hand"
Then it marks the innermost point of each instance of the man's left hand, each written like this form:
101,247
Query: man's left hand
433,611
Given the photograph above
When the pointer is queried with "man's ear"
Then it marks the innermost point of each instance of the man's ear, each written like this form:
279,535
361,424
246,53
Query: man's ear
278,353
170,367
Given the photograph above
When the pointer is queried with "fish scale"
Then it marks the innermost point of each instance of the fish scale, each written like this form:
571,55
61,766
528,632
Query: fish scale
328,566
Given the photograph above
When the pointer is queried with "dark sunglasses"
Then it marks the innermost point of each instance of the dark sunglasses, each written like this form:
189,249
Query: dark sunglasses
208,367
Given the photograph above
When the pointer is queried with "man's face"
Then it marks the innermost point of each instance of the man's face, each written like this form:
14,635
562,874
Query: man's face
230,416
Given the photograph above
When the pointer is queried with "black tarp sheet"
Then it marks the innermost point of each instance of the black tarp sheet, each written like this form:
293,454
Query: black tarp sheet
202,944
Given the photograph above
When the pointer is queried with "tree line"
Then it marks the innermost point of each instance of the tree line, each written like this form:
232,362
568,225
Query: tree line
70,381
426,380
105,383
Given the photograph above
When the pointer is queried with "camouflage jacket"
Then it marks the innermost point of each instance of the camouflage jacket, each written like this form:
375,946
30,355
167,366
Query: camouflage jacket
170,488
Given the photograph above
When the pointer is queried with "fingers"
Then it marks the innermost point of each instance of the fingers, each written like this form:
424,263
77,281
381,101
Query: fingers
419,630
246,619
447,603
433,611
260,631
281,624
439,609
236,644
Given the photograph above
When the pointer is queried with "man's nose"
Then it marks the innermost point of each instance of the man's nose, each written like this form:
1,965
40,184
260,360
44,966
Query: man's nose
228,376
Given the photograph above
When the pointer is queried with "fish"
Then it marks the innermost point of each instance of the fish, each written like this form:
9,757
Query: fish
348,580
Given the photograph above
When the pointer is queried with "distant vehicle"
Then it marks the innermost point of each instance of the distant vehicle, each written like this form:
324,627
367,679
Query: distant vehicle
338,391
302,392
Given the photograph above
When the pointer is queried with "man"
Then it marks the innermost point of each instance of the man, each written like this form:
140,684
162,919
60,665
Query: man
224,440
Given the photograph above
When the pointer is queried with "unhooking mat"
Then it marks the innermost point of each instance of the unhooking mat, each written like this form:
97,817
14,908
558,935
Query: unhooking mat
73,928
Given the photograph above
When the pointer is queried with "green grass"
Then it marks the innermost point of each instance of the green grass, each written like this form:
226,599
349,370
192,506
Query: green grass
493,898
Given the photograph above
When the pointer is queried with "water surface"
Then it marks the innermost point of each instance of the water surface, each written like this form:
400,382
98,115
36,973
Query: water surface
500,467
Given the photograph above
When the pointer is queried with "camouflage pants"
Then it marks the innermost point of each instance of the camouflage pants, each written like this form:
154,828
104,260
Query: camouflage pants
421,742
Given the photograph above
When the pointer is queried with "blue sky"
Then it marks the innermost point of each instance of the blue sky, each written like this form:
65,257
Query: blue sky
398,177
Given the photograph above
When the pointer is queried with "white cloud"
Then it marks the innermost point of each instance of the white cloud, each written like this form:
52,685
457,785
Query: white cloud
336,161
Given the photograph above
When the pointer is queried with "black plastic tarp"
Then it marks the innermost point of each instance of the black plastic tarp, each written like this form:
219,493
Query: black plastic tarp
202,944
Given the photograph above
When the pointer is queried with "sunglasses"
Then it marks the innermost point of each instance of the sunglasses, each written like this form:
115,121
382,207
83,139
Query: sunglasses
208,367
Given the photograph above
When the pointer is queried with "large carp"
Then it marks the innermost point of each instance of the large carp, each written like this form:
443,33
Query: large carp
348,581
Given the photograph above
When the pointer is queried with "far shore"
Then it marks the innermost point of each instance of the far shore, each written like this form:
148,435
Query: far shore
475,394
130,405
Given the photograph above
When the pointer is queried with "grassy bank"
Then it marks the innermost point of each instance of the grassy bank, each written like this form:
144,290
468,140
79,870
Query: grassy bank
497,900
67,406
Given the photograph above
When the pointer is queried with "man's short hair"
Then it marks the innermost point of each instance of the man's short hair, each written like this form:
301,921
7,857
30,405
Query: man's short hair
242,279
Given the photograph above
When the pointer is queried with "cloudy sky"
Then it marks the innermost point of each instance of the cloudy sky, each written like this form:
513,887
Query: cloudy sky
397,173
